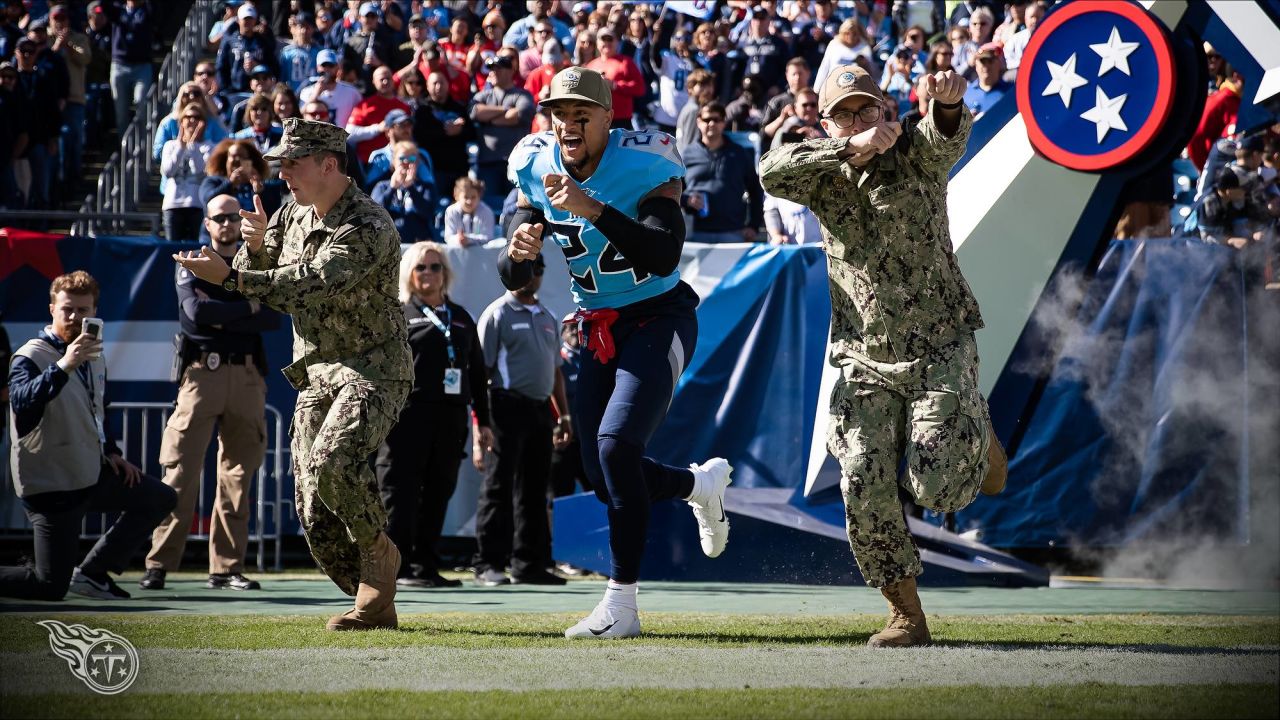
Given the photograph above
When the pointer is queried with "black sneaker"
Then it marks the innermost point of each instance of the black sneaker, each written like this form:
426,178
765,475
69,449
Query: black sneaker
235,581
101,586
152,579
537,577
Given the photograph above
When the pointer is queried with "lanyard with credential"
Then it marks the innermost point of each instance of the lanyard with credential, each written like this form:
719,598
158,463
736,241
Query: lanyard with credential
445,327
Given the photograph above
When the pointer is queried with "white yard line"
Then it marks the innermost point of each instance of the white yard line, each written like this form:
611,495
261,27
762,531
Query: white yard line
589,666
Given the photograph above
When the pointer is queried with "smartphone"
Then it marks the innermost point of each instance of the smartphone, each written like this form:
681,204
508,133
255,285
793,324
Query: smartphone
93,328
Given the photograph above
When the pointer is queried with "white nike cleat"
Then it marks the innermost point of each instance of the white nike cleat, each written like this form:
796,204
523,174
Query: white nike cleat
607,623
709,482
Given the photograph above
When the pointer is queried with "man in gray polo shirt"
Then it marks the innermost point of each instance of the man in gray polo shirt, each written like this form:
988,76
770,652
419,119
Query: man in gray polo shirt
521,343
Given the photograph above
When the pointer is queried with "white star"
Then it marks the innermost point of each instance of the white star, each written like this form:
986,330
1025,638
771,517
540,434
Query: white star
1065,80
1114,53
1105,113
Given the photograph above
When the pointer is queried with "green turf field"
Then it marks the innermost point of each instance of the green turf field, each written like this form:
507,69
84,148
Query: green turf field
709,651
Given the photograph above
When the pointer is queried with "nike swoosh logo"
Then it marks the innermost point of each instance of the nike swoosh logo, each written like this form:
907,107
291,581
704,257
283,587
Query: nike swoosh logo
602,630
722,517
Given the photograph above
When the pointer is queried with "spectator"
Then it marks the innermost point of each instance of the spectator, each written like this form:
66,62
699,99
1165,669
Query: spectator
261,82
237,168
206,74
814,35
284,103
437,17
74,49
171,126
552,63
443,126
98,72
672,67
365,126
468,221
963,49
714,59
927,15
849,44
241,52
982,26
340,96
1231,215
1015,20
222,369
11,12
940,58
901,73
14,135
261,124
372,45
519,33
584,48
744,113
298,57
1219,117
182,164
417,465
328,30
1018,43
406,196
224,25
459,81
765,54
131,77
701,88
718,174
779,107
531,56
316,110
493,26
408,53
43,91
57,386
1219,71
803,122
382,161
991,85
625,81
502,114
521,343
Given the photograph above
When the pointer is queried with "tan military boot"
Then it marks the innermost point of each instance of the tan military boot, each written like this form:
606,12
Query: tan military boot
907,625
998,465
375,599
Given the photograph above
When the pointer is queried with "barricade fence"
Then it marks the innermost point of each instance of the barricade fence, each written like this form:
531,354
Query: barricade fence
140,426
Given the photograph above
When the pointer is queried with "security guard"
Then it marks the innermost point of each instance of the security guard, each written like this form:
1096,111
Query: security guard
330,258
221,368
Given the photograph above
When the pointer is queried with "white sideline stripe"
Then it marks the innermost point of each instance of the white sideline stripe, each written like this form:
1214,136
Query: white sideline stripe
587,665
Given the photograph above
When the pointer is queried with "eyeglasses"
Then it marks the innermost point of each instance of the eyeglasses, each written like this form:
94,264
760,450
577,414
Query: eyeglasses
541,31
913,37
433,267
711,119
225,219
26,51
844,118
196,118
986,60
204,73
193,93
808,105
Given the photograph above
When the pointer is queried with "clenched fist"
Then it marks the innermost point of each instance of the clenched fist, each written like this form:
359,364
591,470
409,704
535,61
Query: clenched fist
526,242
946,87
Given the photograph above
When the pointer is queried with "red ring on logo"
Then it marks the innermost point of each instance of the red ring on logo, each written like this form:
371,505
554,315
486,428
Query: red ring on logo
1165,77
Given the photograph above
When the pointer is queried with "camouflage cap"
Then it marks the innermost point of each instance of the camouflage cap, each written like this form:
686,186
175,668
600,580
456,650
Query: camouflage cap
308,137
846,81
579,83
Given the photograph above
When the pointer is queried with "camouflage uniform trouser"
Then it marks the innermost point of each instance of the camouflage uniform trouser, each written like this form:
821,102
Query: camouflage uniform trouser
930,412
334,432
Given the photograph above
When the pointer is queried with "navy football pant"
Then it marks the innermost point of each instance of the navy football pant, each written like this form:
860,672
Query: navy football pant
619,405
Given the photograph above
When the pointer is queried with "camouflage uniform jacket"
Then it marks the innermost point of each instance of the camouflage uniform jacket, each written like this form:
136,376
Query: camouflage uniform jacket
896,290
337,276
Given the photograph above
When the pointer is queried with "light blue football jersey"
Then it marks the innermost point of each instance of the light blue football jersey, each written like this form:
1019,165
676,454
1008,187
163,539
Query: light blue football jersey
633,164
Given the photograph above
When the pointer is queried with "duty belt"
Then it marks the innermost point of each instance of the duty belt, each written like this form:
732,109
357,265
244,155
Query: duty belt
214,360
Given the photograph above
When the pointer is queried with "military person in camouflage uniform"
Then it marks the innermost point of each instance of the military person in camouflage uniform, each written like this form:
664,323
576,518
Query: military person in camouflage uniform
330,258
902,324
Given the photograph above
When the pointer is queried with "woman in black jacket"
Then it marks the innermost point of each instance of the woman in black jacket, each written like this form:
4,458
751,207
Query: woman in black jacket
417,465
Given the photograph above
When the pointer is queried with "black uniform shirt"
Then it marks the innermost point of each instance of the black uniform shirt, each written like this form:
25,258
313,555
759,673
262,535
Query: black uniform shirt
431,357
221,321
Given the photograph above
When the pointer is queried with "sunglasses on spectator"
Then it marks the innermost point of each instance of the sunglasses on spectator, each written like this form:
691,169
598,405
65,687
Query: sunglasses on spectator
204,73
844,118
197,118
711,119
407,159
26,51
914,37
224,219
433,267
808,105
986,60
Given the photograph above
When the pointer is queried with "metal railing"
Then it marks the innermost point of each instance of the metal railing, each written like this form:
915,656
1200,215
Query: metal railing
127,173
80,221
135,424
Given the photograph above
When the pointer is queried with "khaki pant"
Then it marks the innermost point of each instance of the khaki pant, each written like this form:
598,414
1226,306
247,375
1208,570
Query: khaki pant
233,397
926,414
